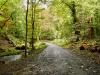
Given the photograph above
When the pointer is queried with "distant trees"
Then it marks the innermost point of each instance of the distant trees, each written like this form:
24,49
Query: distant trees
77,12
72,7
11,18
48,19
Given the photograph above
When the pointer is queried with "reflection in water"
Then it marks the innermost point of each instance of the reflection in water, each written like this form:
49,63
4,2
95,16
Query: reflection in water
10,58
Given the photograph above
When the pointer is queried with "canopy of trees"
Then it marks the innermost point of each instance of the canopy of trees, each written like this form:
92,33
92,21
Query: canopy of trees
49,19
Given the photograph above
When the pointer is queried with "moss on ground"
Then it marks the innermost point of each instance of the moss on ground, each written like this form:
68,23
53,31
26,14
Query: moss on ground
94,56
39,45
60,42
18,65
16,41
9,51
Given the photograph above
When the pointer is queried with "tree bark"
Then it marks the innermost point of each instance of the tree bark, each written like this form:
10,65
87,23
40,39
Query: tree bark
3,4
33,23
26,29
73,10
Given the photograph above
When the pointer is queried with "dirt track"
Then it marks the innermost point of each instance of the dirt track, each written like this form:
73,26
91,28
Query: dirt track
55,60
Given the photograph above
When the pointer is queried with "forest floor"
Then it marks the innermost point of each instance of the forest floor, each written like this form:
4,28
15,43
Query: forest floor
5,42
55,60
8,49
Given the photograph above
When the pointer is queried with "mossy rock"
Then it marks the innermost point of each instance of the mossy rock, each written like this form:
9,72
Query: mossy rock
2,49
20,47
10,51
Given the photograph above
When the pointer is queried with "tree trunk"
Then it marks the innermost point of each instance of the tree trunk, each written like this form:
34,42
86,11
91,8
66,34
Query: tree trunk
26,29
33,23
90,32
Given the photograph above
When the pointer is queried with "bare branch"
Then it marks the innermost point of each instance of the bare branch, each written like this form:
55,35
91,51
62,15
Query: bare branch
66,4
6,20
3,4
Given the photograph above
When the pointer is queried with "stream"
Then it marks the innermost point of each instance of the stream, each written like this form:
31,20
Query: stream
10,58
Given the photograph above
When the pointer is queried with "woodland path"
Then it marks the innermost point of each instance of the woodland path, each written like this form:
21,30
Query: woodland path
55,60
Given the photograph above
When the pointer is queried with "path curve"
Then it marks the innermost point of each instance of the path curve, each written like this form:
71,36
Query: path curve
55,60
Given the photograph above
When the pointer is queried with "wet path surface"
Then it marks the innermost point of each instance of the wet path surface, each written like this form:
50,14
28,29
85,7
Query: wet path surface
55,60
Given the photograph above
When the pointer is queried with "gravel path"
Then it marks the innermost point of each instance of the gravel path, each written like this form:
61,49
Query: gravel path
55,60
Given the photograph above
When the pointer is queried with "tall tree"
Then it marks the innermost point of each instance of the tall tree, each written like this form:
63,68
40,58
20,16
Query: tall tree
33,22
26,28
72,7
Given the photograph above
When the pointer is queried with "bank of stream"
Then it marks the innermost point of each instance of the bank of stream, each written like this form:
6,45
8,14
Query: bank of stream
10,58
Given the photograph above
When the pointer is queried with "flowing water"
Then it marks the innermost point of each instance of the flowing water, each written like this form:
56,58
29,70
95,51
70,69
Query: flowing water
10,58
